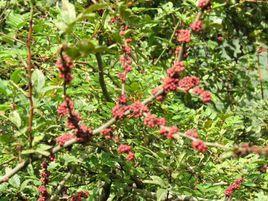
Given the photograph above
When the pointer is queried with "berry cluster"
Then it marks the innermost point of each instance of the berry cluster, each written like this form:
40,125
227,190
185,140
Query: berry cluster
125,59
126,149
151,120
137,109
119,111
188,82
197,26
107,133
169,131
204,4
204,95
234,186
65,65
43,193
79,196
183,36
64,138
192,133
82,132
199,145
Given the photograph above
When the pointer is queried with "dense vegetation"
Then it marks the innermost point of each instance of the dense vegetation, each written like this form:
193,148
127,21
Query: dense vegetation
133,100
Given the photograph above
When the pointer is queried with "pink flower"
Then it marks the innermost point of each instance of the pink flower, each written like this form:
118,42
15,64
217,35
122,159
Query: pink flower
188,83
119,111
192,133
122,76
65,67
204,4
152,121
176,69
197,26
206,96
169,131
124,148
66,107
123,99
183,36
234,186
130,156
170,84
64,138
199,145
42,189
137,109
106,131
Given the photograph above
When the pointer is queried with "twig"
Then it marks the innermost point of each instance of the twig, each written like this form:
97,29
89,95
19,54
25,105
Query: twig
30,84
60,186
260,76
101,78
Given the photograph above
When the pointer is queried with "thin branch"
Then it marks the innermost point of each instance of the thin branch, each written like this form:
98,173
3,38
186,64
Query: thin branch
30,84
101,78
60,186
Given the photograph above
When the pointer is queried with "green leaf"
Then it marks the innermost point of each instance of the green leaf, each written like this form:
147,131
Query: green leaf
68,12
15,181
14,117
3,87
161,194
156,180
38,79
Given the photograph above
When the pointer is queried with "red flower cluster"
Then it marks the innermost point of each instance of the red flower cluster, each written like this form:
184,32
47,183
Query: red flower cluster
151,120
205,95
188,83
123,30
137,109
197,26
65,108
65,66
64,138
199,145
169,131
119,111
192,133
73,122
126,149
176,69
43,193
183,36
122,99
234,186
79,196
170,84
125,59
107,133
204,4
